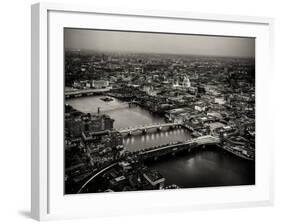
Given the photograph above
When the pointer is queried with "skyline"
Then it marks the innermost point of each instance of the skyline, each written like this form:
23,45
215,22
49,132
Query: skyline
158,43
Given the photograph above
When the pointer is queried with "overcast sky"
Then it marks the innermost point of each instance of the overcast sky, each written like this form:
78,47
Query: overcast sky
139,42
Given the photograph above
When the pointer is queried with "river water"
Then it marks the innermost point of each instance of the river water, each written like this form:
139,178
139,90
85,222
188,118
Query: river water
212,167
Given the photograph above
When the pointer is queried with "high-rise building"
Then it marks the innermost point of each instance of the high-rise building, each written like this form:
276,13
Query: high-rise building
186,82
108,122
97,123
74,126
88,123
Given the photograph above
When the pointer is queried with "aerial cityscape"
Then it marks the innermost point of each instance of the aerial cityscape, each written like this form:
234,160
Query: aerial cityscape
146,111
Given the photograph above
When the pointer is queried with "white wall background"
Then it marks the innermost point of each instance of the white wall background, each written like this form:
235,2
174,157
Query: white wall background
15,110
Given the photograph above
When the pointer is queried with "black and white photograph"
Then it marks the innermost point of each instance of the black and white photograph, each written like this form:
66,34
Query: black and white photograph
157,111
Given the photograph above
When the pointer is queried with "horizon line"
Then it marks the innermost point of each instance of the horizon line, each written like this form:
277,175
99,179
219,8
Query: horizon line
156,53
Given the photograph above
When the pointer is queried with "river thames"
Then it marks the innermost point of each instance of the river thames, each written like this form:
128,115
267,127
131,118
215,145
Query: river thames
211,167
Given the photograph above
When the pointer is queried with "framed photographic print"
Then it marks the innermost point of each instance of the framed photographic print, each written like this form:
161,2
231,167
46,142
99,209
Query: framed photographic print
139,111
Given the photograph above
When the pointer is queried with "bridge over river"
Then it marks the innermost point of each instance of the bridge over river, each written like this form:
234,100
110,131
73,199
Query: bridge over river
176,147
145,128
85,92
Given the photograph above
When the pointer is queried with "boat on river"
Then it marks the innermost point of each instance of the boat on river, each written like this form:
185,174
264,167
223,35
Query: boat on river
106,99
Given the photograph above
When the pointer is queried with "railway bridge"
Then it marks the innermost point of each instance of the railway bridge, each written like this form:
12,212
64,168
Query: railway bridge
176,147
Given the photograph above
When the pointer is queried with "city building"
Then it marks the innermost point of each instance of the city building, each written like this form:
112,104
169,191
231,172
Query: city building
100,84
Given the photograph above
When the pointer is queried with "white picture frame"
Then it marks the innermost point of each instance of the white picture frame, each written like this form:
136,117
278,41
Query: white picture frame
48,201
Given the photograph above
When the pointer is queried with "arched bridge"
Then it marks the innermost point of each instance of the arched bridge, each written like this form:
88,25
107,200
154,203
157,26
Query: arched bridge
145,128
